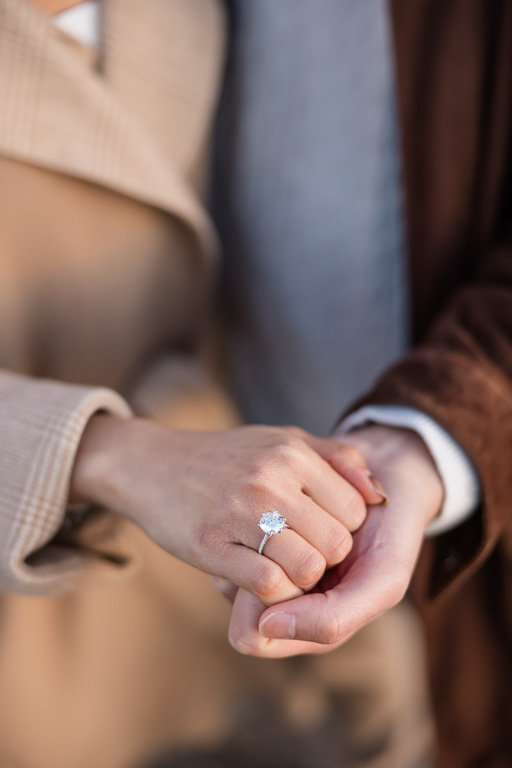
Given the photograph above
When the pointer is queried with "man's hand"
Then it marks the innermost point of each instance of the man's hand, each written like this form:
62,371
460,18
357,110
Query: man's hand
376,574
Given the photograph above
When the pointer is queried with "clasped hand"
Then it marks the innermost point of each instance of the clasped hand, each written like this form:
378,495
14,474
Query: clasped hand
200,496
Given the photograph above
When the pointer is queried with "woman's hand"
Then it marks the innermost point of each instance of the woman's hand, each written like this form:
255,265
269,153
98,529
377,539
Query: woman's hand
200,497
376,574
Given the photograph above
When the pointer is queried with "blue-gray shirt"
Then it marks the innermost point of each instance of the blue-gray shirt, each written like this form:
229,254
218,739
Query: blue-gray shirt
310,207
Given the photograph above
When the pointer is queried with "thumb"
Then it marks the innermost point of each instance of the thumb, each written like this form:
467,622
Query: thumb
246,637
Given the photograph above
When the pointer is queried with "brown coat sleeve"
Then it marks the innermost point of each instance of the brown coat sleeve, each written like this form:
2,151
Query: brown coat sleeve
453,63
41,423
461,375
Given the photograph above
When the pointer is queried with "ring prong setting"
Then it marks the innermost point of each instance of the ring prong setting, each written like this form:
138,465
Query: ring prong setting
271,523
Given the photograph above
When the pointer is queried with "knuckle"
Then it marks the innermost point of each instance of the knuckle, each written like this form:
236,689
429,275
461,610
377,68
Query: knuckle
329,630
290,449
338,546
285,453
296,432
208,537
351,454
310,569
256,472
267,580
240,642
259,482
292,440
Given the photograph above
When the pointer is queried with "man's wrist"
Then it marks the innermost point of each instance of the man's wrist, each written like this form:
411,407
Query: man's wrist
459,477
392,451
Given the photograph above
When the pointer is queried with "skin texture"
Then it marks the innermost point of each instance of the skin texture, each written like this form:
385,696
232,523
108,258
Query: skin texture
377,572
200,495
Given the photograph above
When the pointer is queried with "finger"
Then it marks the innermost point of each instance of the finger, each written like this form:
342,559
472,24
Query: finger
256,574
350,464
326,618
376,580
303,564
323,531
225,587
311,541
333,493
245,637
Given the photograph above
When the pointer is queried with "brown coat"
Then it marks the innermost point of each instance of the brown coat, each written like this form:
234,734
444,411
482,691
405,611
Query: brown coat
454,62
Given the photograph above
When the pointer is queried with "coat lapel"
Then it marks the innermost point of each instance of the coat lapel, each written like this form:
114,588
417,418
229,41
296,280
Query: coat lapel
138,125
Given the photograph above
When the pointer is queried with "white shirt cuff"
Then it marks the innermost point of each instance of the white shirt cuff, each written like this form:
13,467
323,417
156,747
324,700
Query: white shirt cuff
461,486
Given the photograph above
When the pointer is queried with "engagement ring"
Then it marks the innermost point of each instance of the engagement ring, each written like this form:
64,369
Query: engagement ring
271,523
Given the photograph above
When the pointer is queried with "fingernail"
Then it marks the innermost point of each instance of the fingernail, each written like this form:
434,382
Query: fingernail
377,487
278,626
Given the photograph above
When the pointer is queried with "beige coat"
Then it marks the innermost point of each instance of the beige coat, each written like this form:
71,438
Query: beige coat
110,650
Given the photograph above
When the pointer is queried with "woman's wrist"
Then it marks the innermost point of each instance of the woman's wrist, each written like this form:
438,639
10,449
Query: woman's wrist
99,472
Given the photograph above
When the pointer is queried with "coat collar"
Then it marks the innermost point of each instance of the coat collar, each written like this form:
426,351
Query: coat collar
139,124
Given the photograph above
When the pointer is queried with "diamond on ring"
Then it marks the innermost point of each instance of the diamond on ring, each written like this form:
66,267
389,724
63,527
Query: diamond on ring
271,523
